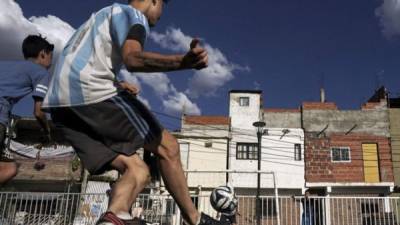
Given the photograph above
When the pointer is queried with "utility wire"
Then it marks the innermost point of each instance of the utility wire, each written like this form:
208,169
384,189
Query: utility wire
221,129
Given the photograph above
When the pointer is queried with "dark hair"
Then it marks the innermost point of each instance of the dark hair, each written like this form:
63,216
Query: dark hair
165,1
34,44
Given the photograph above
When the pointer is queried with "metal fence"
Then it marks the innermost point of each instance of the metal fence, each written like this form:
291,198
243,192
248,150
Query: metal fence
84,209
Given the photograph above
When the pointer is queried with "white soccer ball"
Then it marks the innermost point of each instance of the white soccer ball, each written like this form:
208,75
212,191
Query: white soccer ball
223,200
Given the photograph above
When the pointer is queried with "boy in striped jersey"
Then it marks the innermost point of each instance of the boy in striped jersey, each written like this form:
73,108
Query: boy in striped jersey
106,126
18,79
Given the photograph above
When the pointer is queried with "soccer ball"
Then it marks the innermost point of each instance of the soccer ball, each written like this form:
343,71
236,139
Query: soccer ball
223,200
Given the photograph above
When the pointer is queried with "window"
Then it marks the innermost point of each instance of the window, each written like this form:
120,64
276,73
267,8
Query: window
247,151
244,101
208,144
340,154
297,152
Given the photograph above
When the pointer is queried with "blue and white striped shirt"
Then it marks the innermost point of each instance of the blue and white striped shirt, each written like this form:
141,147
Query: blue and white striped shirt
87,67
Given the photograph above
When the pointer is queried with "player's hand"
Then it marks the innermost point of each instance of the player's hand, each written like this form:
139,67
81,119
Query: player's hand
196,58
45,141
131,88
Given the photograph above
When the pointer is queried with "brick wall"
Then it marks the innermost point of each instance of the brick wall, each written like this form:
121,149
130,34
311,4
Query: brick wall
374,105
319,167
319,106
395,139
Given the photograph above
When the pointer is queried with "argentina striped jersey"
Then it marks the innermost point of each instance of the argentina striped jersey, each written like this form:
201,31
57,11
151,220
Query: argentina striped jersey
88,65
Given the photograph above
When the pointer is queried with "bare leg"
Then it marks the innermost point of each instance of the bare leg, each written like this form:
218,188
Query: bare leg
8,170
135,177
167,150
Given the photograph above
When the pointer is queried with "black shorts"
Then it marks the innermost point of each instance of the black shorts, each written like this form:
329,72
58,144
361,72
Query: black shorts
100,132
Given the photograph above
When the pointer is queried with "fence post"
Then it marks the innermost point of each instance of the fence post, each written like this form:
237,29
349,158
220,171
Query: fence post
178,215
327,210
277,201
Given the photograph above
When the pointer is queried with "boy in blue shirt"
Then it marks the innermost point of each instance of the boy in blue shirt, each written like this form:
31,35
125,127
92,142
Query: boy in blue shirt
18,79
105,126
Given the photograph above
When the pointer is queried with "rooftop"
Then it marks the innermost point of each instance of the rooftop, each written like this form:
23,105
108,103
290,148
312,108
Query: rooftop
207,120
246,91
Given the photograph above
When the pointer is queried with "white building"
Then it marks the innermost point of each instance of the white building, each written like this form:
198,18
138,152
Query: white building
203,143
219,143
282,148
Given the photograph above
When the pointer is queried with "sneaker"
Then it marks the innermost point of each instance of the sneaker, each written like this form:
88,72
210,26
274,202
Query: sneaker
109,218
208,220
136,221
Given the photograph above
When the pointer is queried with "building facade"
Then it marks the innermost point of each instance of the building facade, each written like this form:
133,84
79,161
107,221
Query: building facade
282,148
347,151
394,117
203,143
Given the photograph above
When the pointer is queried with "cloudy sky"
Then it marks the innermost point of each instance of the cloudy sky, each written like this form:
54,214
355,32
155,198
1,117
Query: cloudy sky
286,48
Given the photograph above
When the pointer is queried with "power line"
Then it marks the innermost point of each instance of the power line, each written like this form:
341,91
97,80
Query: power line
275,148
218,128
264,160
281,149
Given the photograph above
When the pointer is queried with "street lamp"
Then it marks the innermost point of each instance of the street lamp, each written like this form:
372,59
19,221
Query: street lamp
260,130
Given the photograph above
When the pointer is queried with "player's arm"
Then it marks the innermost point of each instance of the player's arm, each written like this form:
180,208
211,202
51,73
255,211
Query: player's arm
41,116
40,80
137,60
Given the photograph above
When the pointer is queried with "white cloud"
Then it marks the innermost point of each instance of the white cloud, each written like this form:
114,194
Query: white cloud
174,102
178,102
207,81
129,77
15,27
173,39
144,101
217,74
158,81
389,16
54,29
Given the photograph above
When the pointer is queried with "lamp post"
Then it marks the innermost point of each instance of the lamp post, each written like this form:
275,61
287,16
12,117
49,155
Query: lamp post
260,130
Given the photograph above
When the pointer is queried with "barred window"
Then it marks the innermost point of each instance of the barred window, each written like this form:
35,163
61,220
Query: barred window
247,151
244,101
340,154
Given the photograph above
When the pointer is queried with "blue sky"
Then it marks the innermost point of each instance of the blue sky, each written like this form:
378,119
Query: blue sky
286,48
